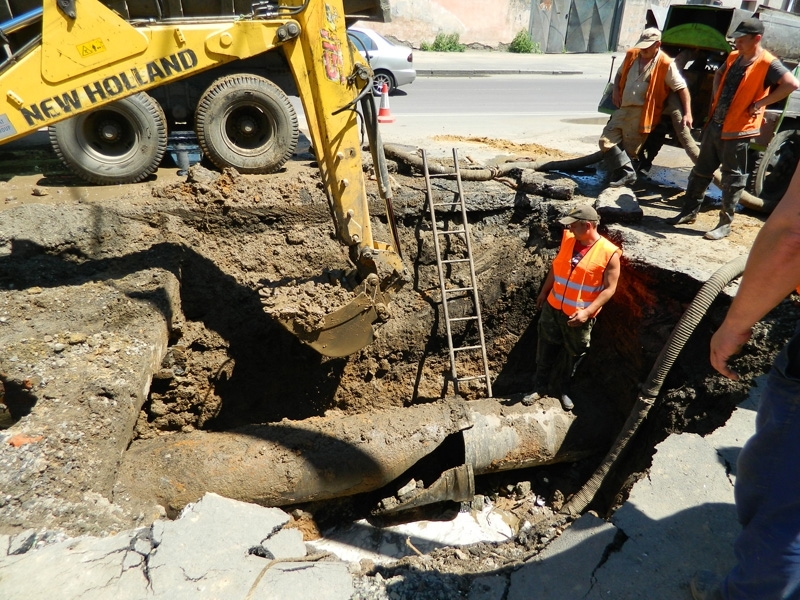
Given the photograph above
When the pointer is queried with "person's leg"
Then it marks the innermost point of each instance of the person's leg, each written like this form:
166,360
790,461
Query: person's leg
700,177
767,491
734,180
549,348
617,161
576,345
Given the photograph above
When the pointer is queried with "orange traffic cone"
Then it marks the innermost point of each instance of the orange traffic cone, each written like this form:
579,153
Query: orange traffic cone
384,114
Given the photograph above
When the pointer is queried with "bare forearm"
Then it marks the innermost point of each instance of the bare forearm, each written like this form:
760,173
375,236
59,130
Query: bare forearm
773,267
686,101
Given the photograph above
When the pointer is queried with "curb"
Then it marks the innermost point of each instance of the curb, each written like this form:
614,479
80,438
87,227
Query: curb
479,72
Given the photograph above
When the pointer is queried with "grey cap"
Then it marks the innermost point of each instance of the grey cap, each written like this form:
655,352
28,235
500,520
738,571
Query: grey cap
582,212
649,36
751,26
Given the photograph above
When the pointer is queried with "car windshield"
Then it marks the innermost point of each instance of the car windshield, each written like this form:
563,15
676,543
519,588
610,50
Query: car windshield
361,41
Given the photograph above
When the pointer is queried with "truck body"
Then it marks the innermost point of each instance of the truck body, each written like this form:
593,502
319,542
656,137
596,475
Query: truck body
87,70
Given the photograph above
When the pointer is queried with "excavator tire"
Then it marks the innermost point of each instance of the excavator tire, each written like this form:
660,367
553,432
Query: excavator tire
246,122
776,165
122,142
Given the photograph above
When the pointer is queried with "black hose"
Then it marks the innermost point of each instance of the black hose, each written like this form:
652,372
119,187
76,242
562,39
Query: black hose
647,398
485,174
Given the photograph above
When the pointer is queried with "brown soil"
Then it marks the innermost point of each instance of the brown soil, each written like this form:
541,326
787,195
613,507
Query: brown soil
134,312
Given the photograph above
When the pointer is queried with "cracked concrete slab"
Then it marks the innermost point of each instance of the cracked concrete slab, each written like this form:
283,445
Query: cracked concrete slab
677,520
204,554
565,569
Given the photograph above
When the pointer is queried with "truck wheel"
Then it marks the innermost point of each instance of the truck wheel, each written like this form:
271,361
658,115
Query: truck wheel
774,169
122,142
246,122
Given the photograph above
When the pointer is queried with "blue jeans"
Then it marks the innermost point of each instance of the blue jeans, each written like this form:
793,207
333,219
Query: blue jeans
767,491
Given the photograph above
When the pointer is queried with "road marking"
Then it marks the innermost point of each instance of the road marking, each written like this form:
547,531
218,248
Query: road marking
573,115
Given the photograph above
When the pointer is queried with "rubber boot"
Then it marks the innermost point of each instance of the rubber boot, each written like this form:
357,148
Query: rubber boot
730,198
619,165
547,354
692,200
572,363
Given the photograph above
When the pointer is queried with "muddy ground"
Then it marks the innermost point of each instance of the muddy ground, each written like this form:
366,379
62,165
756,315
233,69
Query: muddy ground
133,313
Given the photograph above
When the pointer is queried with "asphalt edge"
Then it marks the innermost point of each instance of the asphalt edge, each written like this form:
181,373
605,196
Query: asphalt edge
479,72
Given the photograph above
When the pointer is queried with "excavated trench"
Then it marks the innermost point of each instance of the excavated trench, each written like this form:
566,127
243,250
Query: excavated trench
225,374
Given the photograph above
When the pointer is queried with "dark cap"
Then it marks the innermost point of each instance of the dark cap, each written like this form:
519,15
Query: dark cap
582,212
751,26
649,36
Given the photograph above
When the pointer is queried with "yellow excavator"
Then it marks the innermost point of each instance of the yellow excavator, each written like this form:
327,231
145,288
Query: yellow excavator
86,70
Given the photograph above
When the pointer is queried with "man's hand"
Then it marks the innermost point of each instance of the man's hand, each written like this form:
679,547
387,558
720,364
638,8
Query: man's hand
687,120
540,300
726,343
578,318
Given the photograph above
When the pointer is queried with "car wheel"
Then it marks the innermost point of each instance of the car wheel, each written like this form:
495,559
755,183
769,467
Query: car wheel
380,78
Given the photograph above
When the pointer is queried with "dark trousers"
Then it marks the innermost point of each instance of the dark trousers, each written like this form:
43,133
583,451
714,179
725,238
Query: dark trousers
714,151
767,491
559,351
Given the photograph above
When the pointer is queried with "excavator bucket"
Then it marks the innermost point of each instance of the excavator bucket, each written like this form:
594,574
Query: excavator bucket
345,330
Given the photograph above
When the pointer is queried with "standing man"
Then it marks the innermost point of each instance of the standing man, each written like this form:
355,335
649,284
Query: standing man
582,278
641,86
741,93
767,490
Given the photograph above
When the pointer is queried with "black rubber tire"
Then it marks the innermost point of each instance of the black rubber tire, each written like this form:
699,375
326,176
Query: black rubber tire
379,79
122,142
774,169
246,122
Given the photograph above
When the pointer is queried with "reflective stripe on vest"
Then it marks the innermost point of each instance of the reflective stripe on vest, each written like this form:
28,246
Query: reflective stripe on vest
739,123
657,89
575,289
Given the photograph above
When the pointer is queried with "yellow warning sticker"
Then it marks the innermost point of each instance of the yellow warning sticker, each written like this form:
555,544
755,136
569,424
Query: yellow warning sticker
93,47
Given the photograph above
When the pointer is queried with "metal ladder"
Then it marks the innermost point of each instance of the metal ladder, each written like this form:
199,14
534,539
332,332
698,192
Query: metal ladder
452,294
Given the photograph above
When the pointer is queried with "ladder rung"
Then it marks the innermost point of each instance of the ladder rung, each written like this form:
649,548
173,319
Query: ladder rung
471,378
454,260
432,175
452,231
464,289
453,203
467,348
463,319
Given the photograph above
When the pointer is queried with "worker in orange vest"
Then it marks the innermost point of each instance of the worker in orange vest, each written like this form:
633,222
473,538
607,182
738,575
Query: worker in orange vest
750,80
581,280
641,88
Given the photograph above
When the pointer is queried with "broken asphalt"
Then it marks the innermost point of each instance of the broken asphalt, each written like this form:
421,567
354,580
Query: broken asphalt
679,518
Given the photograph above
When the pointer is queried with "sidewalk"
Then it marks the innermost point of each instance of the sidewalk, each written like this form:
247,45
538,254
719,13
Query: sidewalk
490,62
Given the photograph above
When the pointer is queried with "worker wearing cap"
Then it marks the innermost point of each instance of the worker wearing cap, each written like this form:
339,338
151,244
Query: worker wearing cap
750,80
641,87
582,278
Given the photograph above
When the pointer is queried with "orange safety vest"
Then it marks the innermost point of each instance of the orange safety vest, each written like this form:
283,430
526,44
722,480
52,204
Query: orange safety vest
657,89
574,289
738,122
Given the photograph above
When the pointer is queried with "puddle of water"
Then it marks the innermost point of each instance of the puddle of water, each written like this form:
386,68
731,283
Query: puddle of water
384,545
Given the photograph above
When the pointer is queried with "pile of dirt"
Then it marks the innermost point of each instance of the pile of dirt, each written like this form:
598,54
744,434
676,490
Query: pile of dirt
188,284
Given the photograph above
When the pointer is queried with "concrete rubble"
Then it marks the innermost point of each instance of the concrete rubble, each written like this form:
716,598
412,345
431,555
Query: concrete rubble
679,518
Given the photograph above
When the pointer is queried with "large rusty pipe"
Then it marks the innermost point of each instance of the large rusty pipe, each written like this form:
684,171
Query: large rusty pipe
503,438
327,457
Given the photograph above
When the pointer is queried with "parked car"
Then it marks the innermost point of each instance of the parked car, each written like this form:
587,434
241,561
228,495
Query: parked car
392,64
